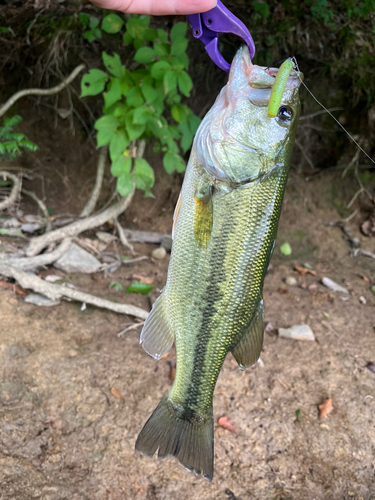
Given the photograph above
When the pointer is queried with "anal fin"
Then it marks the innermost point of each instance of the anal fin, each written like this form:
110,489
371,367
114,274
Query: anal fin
157,335
248,349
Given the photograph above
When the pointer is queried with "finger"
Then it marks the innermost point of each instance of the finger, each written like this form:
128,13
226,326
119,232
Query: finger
157,8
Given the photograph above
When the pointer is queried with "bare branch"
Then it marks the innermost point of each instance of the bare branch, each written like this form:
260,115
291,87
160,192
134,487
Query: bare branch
54,90
12,198
90,205
57,292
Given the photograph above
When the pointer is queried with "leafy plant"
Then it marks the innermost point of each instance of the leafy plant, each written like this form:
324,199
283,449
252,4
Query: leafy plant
92,24
139,287
12,143
116,286
143,101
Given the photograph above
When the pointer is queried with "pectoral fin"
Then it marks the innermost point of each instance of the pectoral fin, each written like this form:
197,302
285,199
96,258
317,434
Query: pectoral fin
248,349
157,334
203,216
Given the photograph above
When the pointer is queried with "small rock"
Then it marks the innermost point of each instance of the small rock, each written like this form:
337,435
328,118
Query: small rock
41,300
31,228
297,332
308,266
291,281
13,222
77,260
166,243
106,237
335,287
362,300
159,253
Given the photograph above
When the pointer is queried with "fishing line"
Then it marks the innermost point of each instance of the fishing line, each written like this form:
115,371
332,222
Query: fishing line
325,109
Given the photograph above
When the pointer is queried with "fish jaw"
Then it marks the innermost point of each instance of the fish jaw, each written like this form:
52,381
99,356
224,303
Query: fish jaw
237,142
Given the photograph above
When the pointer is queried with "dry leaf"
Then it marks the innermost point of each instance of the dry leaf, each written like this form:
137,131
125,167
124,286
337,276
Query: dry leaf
165,355
325,408
224,422
137,487
116,393
303,270
364,277
282,290
143,279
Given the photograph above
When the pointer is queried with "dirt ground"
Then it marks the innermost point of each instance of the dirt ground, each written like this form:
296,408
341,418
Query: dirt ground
64,434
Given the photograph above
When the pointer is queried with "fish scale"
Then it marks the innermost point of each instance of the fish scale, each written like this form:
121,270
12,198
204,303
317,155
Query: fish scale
224,232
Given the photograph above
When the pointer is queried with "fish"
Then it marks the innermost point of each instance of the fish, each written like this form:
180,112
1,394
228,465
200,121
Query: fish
224,231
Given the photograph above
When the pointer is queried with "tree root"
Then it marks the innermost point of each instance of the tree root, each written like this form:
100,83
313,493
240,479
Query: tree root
90,205
16,189
122,236
54,90
42,207
57,292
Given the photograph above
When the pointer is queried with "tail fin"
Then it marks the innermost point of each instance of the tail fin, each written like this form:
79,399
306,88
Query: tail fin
186,436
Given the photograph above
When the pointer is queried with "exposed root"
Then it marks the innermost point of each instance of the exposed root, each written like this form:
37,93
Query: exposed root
54,90
90,205
16,189
42,206
56,292
123,237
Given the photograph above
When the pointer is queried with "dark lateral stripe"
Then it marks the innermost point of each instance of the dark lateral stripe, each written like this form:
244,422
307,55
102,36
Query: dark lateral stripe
211,297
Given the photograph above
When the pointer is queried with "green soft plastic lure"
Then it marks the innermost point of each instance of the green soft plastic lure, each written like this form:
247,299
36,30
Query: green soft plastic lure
278,87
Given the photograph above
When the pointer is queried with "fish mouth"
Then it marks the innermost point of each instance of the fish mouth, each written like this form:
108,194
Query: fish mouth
259,80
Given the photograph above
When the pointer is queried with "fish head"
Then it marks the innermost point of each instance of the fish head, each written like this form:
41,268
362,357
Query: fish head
237,142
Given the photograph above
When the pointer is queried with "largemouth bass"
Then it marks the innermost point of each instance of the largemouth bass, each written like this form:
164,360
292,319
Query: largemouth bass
224,232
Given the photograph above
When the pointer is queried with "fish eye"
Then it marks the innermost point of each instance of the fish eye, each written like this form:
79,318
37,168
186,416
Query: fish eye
285,114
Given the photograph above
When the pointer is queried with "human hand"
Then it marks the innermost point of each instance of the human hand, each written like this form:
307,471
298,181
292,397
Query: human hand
157,7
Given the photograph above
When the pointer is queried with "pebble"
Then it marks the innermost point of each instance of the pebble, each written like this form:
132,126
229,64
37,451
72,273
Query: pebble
106,237
291,281
159,253
77,260
362,300
297,332
335,287
166,243
41,300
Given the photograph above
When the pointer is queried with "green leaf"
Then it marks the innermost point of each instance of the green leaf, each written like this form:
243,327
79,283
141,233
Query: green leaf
180,164
117,286
149,93
93,82
3,29
113,64
185,83
30,146
97,32
89,36
13,121
127,38
125,184
106,127
162,35
132,129
170,81
94,23
84,18
118,145
136,26
286,249
122,165
134,98
179,113
150,34
178,31
161,49
114,92
112,23
144,55
139,287
159,69
144,175
169,161
141,115
194,122
179,46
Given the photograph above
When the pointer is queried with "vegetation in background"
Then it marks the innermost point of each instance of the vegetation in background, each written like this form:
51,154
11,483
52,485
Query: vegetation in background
12,143
143,101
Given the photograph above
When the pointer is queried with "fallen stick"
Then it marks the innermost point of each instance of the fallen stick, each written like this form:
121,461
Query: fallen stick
145,236
57,292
